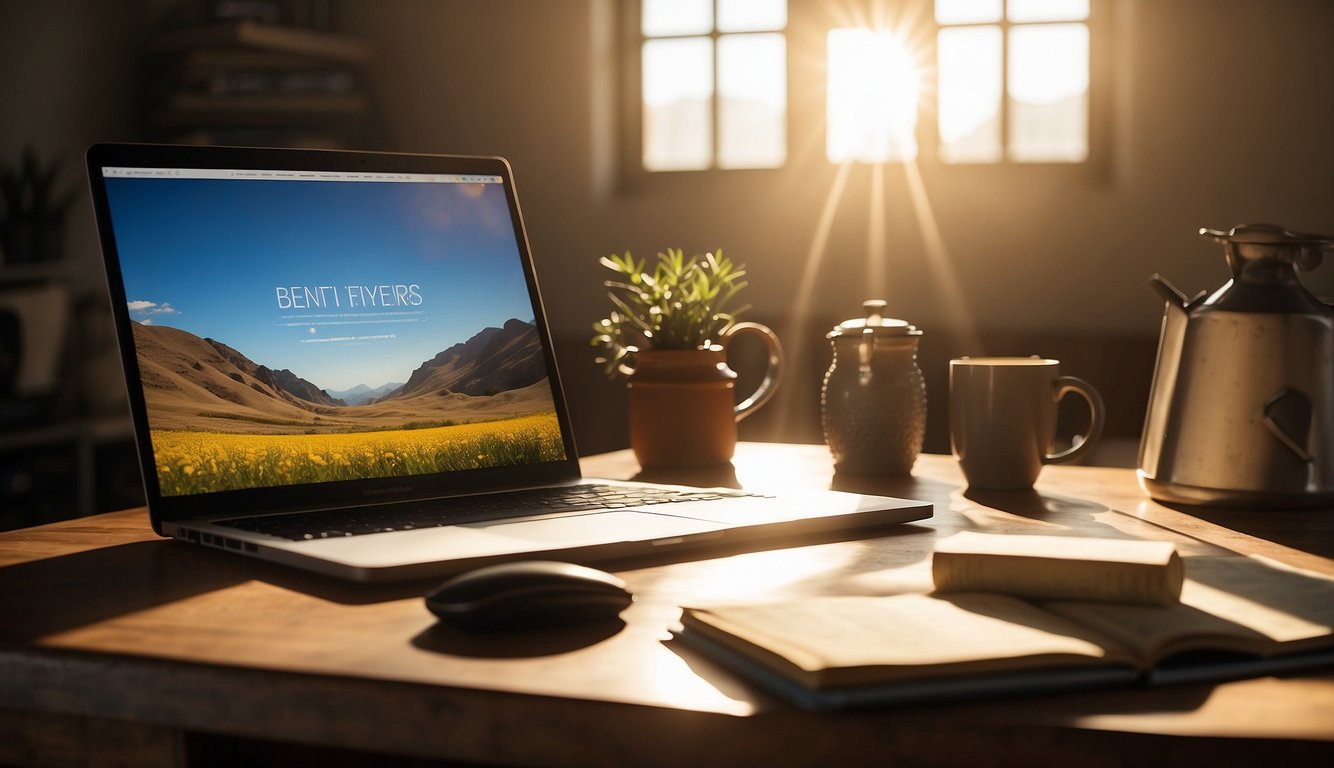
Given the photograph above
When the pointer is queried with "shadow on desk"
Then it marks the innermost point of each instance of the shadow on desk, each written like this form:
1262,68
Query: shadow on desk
898,486
722,476
87,587
98,584
1307,530
1032,505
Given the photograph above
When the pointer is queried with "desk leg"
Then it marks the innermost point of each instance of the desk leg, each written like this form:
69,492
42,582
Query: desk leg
40,738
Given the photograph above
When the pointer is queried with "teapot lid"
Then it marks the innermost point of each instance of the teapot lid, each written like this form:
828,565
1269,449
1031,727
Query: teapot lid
1264,233
875,323
1248,243
1265,259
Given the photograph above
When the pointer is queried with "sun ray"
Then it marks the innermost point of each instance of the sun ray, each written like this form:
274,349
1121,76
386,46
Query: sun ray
938,260
815,256
877,255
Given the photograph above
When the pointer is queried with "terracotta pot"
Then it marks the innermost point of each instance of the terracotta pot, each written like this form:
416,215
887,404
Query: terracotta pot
682,402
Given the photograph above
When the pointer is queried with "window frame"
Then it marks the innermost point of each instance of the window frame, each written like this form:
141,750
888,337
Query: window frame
632,39
1098,161
810,30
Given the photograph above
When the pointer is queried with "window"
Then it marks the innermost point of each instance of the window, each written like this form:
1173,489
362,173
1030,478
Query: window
873,88
1012,80
713,84
958,82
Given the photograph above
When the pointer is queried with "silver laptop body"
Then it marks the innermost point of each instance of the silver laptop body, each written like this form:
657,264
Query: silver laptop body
340,361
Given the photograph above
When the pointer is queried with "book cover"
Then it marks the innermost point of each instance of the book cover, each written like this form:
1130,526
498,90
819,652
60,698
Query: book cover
1237,617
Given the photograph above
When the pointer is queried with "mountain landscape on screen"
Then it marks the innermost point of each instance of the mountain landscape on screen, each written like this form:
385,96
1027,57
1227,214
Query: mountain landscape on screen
363,394
221,421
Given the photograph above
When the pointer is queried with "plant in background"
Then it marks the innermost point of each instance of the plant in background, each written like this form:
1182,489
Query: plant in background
680,304
32,209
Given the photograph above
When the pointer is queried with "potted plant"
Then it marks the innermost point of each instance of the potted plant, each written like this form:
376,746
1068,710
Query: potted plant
668,334
32,210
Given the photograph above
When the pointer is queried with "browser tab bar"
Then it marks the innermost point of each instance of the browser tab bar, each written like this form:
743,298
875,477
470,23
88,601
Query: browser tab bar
269,174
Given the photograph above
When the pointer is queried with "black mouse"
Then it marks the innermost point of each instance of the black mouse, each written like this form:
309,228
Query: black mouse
529,594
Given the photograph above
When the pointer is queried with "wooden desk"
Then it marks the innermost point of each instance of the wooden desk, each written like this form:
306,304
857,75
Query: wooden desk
116,644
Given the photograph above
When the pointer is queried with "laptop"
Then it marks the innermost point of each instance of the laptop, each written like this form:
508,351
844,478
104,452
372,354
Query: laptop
339,361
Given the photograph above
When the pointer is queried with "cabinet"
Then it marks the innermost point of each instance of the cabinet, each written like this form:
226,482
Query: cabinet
68,469
66,446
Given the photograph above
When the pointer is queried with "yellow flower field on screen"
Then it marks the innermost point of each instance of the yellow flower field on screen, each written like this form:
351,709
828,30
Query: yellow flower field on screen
203,462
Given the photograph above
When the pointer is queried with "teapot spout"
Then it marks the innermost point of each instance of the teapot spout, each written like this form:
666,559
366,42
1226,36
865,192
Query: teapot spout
1174,298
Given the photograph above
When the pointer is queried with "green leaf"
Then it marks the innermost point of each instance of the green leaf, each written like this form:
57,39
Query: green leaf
680,303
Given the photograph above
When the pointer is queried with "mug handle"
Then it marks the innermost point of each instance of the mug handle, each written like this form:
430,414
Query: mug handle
769,385
1070,384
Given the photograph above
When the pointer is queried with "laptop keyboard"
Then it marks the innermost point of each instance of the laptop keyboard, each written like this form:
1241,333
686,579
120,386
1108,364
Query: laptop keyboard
301,526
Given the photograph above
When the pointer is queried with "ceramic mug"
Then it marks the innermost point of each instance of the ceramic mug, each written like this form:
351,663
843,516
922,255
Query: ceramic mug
1003,418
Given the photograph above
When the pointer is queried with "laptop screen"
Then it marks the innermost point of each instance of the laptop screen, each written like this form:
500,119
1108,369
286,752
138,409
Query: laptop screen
294,326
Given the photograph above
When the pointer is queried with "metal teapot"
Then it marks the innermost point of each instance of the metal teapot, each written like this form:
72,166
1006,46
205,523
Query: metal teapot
1241,412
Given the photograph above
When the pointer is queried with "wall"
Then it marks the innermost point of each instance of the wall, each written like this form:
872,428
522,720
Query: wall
1221,113
68,78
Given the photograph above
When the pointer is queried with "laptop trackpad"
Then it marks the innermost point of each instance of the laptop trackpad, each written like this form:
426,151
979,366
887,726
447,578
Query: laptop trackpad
597,527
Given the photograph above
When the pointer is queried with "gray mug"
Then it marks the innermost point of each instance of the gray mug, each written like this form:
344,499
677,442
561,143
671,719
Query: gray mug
1003,418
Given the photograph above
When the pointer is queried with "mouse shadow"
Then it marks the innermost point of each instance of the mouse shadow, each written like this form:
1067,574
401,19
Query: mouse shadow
516,643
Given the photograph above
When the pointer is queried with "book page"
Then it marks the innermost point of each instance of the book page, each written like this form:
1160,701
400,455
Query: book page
829,641
1228,603
1059,567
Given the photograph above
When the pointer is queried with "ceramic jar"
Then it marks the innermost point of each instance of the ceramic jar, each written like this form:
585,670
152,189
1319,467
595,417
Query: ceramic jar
873,402
682,408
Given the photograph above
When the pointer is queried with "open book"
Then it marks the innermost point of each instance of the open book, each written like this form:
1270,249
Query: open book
1237,617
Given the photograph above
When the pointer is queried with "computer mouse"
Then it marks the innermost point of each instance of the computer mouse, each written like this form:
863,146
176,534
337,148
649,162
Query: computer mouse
529,594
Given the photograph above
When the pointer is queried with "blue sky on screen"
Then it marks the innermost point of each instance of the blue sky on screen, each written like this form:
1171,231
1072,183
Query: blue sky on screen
343,283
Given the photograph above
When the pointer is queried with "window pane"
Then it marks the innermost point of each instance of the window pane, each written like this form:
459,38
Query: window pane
678,88
1048,10
969,71
751,15
873,88
676,17
967,11
752,101
1048,86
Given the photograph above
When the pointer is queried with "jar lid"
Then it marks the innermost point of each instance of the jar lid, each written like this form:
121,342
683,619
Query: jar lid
875,323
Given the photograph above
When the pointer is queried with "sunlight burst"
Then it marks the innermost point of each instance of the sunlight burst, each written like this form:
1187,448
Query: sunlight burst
873,92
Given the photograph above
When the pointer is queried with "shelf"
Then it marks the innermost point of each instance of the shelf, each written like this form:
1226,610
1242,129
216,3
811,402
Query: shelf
266,37
26,273
257,83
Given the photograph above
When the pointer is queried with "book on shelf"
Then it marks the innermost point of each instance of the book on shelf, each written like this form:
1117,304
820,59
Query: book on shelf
243,74
198,64
247,33
317,137
1236,617
293,82
257,109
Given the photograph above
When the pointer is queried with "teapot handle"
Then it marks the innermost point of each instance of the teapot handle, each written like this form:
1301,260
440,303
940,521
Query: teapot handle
769,386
